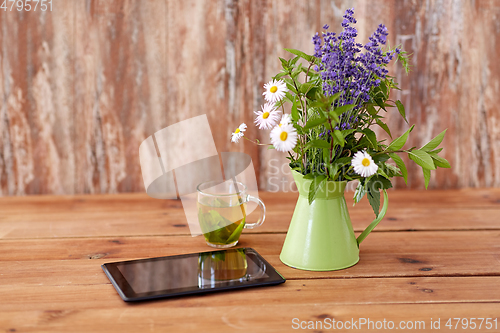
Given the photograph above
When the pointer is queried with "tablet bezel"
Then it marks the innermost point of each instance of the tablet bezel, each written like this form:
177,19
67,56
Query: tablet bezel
128,294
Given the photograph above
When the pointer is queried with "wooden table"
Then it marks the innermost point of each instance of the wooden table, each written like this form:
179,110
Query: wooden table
435,255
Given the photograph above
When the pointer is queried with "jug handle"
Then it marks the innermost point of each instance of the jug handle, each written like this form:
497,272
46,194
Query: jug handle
376,221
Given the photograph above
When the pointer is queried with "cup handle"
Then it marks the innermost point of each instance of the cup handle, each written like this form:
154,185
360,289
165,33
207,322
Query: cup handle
376,221
262,212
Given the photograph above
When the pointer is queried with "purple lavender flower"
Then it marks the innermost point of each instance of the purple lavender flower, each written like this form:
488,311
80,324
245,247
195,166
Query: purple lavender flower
344,68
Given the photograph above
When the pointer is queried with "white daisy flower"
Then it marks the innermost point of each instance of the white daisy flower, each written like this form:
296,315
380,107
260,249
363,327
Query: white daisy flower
284,137
238,134
268,117
275,90
285,120
363,164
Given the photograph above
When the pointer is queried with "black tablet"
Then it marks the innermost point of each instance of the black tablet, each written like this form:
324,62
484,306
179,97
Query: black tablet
188,274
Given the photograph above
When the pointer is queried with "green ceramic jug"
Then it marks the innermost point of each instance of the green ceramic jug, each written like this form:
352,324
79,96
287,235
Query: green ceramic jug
320,236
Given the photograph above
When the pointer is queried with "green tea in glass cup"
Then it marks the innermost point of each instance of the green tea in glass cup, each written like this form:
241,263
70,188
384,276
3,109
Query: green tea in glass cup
222,211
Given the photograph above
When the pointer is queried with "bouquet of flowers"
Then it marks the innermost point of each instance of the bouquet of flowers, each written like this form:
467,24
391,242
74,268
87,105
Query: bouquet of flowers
337,95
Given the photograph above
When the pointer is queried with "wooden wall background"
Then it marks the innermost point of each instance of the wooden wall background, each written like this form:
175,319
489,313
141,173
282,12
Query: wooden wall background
83,85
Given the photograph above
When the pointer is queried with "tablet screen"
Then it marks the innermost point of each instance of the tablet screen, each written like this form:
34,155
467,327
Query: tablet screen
190,273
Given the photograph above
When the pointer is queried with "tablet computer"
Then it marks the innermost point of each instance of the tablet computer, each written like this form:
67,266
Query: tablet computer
188,274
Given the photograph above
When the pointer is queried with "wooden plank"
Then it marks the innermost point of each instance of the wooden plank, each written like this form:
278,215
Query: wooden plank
325,291
266,318
169,222
465,253
212,318
455,199
139,215
275,318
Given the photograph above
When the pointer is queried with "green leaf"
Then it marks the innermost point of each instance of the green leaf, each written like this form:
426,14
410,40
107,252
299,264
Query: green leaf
422,158
291,88
437,151
377,91
384,127
290,85
300,129
378,182
333,169
360,192
203,222
439,161
304,88
236,233
380,158
374,185
374,200
401,165
343,160
380,103
301,54
334,97
284,63
312,93
314,187
218,219
382,173
427,176
294,61
314,122
326,155
277,76
400,142
346,133
344,108
392,170
371,110
335,166
294,112
219,203
401,109
372,137
434,143
339,137
384,89
332,116
318,143
316,104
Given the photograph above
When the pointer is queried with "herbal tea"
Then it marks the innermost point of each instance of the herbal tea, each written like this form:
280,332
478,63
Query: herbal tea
220,222
222,211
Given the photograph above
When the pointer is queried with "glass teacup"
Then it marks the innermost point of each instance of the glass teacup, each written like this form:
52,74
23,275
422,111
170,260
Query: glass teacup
222,211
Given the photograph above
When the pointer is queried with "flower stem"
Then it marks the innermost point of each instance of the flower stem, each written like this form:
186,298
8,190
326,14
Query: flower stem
390,152
257,143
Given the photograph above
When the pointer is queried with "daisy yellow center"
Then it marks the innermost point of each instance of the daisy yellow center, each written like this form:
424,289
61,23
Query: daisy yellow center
283,136
365,162
237,131
265,115
273,89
